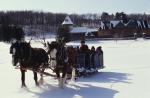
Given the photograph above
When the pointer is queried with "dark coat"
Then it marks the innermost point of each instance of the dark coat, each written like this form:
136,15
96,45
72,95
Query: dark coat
84,49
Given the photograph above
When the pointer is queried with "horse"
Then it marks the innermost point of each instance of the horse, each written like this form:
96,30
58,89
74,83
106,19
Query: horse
52,50
72,61
28,57
58,60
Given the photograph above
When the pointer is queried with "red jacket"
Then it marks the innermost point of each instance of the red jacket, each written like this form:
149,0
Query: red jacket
84,48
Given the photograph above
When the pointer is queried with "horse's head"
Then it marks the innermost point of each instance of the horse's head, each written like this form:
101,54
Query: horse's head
52,49
25,50
52,45
72,52
13,48
15,51
19,50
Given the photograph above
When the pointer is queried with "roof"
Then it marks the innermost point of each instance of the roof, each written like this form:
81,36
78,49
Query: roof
102,25
92,29
83,30
79,30
139,23
67,21
114,22
132,24
120,25
109,24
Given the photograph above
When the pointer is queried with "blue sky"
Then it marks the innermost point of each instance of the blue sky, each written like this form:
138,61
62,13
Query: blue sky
78,6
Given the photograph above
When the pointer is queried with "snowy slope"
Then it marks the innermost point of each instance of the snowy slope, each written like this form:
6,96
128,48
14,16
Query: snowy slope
126,74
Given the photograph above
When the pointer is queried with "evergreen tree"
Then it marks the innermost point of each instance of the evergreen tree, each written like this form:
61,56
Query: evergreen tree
121,16
18,33
9,32
105,16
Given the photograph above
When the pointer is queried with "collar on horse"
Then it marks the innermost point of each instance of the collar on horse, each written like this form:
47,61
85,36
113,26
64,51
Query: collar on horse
52,58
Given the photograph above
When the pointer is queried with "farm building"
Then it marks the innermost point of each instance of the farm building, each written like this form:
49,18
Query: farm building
118,29
78,33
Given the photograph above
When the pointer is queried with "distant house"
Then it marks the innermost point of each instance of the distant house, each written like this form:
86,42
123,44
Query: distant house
116,28
113,24
120,25
132,24
78,33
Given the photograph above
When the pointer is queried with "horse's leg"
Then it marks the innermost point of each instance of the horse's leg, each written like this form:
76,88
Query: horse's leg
36,78
41,81
57,70
73,74
64,76
23,77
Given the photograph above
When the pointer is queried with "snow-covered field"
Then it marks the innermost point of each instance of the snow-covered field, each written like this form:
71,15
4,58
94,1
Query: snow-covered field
126,75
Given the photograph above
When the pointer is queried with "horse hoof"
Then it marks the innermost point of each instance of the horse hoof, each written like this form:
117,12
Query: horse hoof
37,84
41,81
23,86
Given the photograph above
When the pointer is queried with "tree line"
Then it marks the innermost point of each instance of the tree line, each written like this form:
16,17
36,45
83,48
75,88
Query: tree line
9,32
55,19
13,21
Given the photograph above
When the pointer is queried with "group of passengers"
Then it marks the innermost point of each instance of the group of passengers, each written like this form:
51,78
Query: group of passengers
89,60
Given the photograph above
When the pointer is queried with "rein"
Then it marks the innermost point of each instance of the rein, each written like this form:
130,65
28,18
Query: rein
61,50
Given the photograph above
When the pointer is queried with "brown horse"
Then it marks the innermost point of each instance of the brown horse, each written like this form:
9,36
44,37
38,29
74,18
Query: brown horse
28,57
58,60
72,60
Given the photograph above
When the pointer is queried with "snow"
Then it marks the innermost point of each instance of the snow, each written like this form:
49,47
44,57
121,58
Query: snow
92,30
139,24
114,22
83,30
79,30
126,74
102,25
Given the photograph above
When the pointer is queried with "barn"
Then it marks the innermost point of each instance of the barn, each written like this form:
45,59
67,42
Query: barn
78,33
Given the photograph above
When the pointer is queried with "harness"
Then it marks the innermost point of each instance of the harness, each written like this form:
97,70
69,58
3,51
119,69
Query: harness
52,58
61,57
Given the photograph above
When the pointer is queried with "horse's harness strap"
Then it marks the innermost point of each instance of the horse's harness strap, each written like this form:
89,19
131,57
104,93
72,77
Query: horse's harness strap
53,58
30,55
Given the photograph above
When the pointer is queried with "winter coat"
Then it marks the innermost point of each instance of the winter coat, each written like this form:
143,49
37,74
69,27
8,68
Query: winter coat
98,60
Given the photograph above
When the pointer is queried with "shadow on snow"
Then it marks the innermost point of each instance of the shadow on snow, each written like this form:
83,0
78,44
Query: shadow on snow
108,77
85,87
